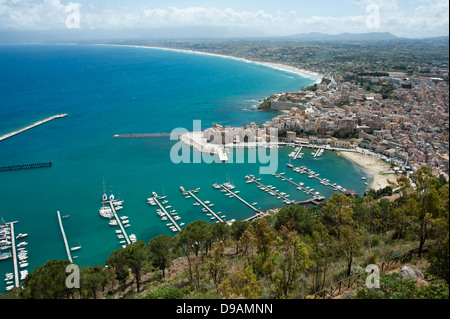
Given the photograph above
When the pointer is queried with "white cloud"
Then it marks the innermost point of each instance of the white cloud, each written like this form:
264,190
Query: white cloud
429,18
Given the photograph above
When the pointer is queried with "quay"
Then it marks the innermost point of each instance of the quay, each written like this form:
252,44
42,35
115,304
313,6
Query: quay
141,135
306,190
205,206
24,166
198,143
6,136
286,200
119,222
322,181
14,252
166,213
69,256
238,197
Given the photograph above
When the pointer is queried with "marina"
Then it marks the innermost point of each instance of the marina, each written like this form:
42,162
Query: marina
156,199
204,204
19,254
297,154
301,187
286,200
234,194
319,152
312,174
29,127
14,254
111,202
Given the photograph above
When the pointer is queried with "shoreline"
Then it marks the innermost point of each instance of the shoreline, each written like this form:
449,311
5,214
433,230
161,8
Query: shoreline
373,167
317,77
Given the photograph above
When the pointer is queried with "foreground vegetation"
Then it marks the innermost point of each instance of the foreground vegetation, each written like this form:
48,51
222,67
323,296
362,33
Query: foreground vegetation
296,253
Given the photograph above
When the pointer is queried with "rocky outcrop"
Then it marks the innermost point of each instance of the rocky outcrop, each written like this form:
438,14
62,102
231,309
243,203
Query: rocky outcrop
409,273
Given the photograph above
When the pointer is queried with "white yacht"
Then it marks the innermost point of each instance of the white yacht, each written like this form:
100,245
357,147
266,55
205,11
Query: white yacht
4,256
106,212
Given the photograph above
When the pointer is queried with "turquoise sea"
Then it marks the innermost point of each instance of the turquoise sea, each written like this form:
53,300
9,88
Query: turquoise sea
107,90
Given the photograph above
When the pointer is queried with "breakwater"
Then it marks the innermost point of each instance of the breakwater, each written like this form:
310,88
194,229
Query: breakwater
24,166
29,127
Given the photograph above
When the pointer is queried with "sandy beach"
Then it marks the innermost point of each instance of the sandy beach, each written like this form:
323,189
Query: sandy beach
373,167
287,68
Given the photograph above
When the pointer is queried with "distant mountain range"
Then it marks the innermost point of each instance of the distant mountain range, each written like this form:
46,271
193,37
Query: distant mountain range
66,36
317,36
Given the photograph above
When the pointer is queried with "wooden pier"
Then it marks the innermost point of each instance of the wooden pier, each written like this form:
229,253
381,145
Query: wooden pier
69,255
6,136
238,197
205,206
14,254
166,213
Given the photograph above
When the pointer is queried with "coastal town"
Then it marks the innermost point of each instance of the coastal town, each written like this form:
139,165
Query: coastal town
398,114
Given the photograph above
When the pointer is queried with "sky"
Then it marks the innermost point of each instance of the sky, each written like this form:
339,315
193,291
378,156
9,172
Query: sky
404,18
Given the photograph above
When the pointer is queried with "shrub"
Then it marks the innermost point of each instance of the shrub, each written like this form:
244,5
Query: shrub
392,286
166,292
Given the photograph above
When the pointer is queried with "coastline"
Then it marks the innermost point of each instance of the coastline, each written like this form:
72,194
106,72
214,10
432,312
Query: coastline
374,167
317,77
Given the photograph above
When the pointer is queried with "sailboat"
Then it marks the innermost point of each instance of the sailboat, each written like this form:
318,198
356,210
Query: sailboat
105,211
104,196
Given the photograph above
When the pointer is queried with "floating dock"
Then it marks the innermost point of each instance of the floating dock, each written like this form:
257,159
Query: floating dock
322,181
119,222
298,153
29,127
14,253
205,206
238,197
317,153
166,213
306,190
286,200
24,166
69,255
